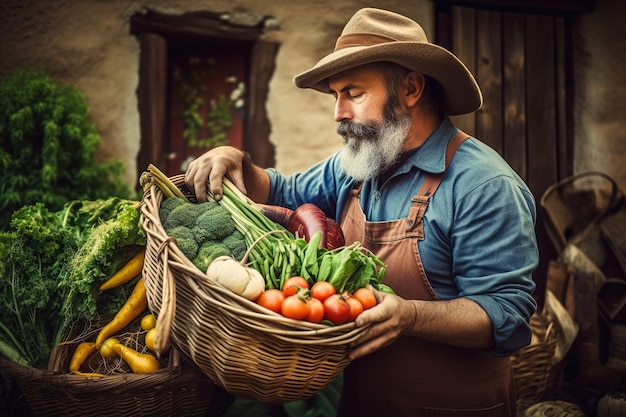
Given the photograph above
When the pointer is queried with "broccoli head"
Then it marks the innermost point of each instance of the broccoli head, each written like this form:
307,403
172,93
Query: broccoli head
186,214
167,205
185,241
209,251
214,224
236,244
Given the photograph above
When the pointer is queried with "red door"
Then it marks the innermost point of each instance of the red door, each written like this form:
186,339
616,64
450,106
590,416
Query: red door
207,101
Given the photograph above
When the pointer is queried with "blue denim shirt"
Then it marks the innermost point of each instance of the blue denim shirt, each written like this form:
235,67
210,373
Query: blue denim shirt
479,227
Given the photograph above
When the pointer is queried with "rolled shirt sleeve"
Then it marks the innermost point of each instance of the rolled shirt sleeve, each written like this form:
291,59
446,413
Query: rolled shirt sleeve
495,253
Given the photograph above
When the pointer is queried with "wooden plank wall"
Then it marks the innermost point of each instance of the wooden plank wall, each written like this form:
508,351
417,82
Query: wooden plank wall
518,60
519,63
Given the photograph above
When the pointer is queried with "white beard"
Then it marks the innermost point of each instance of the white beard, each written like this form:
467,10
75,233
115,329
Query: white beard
367,157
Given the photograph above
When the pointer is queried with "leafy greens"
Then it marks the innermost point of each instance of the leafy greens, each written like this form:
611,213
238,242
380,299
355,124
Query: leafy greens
51,265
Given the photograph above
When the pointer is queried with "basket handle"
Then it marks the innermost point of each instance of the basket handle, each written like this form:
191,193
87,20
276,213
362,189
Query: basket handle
554,233
548,331
168,302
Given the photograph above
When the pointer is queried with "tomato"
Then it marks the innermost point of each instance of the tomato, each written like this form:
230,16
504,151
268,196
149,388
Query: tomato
271,299
336,309
290,287
316,311
356,308
295,307
322,290
366,297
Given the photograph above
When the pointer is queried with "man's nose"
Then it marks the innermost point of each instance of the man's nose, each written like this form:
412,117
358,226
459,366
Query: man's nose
342,111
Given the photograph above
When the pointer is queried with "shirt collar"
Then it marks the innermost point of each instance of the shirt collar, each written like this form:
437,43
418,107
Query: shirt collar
431,155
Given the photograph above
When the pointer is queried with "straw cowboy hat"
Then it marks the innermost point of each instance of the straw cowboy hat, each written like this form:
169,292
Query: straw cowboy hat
374,35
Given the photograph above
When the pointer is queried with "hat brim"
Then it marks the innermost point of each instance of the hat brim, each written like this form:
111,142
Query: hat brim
462,93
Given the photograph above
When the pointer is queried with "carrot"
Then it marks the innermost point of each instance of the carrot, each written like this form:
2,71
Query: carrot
106,350
130,270
81,353
136,303
140,363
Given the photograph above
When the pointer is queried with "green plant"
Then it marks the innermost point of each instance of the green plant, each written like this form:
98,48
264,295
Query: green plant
206,116
48,146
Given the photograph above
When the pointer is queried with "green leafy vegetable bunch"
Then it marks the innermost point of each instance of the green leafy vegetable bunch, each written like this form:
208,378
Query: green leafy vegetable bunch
51,265
48,146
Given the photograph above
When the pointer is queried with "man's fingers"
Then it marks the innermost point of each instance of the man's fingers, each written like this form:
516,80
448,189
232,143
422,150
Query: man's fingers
368,343
215,180
195,181
236,176
214,166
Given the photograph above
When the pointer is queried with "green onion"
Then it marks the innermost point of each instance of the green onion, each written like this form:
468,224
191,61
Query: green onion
158,178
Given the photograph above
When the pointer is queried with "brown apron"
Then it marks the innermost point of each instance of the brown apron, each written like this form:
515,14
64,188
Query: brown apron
414,377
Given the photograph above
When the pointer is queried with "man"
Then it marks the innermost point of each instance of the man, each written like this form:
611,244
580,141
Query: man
459,260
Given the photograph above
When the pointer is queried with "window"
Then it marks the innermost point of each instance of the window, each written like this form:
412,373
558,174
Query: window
196,89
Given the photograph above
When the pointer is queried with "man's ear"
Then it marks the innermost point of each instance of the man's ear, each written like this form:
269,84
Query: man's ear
414,83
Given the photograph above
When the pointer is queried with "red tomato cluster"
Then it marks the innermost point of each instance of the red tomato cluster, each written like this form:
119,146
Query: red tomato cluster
320,302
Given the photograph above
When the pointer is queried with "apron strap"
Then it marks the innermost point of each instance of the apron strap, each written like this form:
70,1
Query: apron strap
429,186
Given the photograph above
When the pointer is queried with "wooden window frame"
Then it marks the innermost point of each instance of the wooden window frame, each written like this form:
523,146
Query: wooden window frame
155,31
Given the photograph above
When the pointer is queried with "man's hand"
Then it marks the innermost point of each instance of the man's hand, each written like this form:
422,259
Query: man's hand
213,166
388,319
458,322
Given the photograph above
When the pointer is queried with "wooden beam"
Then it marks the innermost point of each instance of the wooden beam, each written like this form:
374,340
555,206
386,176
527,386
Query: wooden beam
192,25
463,44
514,102
151,100
257,126
545,6
541,92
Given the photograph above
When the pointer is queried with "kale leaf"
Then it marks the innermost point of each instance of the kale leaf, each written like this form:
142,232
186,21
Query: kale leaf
51,265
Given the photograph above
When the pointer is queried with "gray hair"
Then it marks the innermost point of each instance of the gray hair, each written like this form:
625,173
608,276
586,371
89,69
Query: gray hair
430,100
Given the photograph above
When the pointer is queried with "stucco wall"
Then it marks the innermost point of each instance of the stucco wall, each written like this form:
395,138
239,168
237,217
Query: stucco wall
88,44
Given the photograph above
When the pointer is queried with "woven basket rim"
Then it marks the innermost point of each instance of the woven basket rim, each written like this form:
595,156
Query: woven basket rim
16,370
49,392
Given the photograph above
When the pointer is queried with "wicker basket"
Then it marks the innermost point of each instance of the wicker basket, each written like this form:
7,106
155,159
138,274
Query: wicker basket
557,408
533,363
178,390
240,345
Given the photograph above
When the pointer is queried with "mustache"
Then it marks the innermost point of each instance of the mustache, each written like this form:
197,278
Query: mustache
358,130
